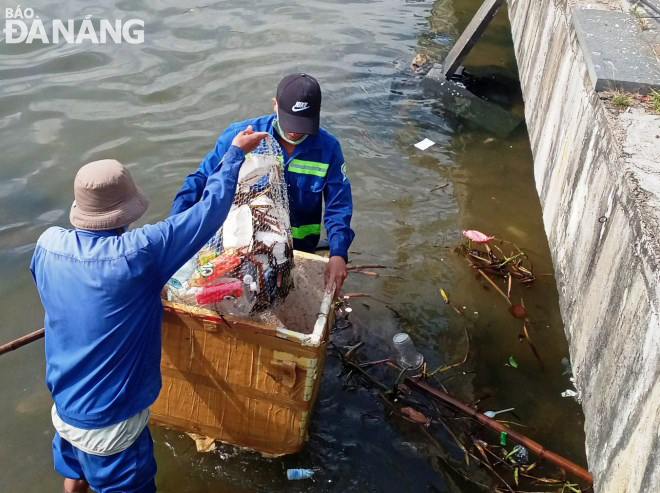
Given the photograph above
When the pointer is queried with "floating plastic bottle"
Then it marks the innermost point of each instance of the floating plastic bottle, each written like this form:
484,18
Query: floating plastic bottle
292,474
409,357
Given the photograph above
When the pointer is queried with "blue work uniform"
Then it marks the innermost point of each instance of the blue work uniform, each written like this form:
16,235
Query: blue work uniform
314,173
101,292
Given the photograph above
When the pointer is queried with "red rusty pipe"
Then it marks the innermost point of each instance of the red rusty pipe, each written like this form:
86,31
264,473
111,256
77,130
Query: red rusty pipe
495,425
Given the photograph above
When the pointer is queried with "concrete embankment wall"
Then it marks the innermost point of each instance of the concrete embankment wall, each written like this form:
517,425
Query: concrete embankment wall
602,217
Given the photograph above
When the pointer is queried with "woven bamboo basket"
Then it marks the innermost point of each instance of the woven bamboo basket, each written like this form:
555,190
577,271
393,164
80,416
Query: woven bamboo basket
246,382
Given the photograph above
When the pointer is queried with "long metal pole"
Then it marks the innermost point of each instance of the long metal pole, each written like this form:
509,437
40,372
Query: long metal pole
493,424
22,341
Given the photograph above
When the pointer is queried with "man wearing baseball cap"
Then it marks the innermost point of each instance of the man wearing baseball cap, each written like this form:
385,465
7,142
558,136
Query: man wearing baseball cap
314,168
100,286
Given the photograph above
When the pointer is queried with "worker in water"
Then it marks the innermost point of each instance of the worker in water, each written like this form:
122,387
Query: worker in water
100,286
314,169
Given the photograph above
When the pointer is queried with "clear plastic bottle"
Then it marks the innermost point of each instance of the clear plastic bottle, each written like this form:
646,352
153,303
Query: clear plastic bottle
292,474
243,304
182,294
250,276
178,284
184,274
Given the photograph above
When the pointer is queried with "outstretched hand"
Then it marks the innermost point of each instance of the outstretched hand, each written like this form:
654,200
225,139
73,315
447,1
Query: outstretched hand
248,139
335,273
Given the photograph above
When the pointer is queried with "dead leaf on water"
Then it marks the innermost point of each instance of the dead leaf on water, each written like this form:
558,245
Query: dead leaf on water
414,415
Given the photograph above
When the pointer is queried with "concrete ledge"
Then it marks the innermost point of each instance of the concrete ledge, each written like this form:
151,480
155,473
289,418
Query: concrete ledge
615,51
599,184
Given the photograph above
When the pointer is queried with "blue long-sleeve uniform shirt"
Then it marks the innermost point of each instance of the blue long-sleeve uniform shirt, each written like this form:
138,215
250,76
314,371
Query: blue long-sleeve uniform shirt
314,173
101,294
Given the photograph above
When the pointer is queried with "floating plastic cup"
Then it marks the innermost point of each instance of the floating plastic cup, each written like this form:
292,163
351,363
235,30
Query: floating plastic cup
409,357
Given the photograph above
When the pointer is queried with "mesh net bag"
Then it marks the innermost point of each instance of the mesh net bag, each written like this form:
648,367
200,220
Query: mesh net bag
246,267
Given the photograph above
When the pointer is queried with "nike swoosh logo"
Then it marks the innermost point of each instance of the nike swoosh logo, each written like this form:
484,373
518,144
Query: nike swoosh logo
299,106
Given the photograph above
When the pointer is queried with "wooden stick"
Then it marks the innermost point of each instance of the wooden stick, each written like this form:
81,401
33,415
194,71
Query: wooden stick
373,266
22,341
465,358
444,185
485,276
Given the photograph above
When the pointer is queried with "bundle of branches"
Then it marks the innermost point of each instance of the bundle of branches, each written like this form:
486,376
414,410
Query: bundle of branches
478,455
495,262
490,264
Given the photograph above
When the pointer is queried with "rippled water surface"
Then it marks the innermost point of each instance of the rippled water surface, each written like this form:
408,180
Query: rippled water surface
159,106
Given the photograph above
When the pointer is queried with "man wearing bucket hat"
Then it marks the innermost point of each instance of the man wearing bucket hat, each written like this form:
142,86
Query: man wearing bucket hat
314,168
100,286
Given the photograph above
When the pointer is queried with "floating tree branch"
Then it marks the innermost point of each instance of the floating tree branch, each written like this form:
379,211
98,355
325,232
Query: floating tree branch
488,263
394,395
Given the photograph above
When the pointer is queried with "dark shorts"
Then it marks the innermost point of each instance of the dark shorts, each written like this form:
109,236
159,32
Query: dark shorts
130,471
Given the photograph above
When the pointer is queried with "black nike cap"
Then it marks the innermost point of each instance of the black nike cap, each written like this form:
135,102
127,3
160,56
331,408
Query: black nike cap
299,104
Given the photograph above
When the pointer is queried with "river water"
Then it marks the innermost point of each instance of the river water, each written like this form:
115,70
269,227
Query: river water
159,106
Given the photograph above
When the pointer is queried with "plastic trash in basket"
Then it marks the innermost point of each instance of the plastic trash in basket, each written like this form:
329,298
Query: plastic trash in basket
246,267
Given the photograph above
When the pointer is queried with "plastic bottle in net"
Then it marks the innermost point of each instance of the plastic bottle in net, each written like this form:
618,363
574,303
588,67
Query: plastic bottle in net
246,267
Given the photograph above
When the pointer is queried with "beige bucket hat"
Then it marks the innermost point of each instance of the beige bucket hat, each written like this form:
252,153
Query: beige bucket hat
106,197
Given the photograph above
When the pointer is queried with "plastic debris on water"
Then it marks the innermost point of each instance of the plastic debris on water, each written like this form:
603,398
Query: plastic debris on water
292,474
424,144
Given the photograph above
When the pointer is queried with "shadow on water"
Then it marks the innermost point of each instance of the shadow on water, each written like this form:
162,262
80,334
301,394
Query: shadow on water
158,107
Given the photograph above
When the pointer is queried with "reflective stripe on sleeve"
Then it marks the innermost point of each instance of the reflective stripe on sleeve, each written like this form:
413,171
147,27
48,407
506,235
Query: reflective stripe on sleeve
304,231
